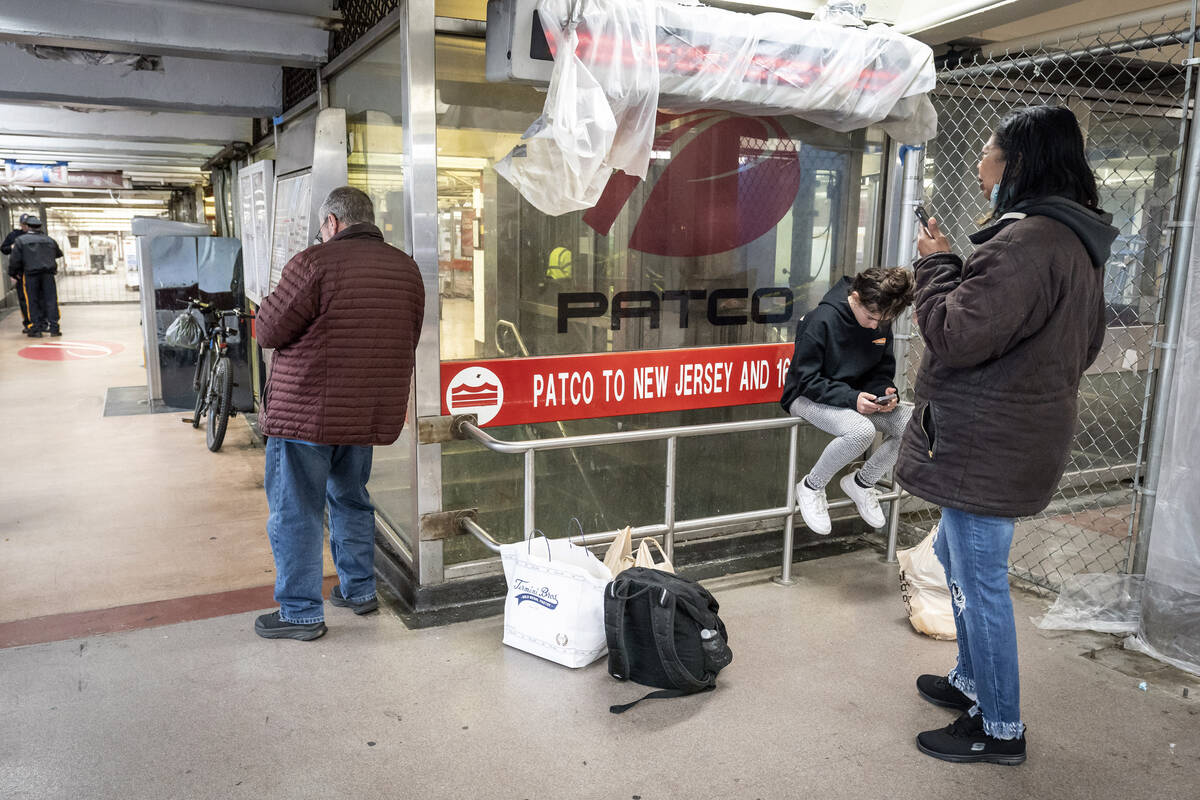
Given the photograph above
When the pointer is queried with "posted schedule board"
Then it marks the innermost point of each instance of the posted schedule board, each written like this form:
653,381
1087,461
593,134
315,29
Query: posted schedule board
289,226
254,203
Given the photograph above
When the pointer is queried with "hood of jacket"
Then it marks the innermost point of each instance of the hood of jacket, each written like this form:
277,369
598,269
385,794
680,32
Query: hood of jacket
838,298
1094,228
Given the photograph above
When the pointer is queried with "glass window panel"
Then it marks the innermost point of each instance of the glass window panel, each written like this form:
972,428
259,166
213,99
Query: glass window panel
370,91
731,205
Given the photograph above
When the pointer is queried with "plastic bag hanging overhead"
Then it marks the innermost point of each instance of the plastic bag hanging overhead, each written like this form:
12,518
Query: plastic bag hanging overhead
600,109
692,57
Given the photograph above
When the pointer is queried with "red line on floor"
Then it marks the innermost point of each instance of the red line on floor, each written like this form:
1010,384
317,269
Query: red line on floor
76,625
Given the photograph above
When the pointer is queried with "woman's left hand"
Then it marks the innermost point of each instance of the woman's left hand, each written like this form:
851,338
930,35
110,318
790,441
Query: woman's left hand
932,240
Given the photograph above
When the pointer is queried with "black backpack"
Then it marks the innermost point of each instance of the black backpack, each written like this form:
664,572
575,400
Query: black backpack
663,630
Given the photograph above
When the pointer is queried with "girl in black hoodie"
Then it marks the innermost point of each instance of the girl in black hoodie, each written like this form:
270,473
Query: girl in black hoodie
841,380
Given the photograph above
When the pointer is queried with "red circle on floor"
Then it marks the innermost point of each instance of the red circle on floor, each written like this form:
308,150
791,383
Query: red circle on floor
64,350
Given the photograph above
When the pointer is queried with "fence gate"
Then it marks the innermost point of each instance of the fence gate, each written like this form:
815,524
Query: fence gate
96,267
1130,91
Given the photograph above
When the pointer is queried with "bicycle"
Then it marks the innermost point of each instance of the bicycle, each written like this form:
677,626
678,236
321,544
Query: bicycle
213,381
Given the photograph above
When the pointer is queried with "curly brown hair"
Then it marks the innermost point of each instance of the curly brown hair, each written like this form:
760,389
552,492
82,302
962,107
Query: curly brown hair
885,291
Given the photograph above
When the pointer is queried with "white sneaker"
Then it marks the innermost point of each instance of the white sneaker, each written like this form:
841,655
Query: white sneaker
814,508
867,501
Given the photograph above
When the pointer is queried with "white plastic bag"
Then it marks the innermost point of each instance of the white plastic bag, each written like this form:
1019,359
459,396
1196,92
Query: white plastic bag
555,603
924,591
559,167
600,109
184,331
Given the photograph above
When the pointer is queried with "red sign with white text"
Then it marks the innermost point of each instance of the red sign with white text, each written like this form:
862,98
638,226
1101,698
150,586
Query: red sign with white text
516,391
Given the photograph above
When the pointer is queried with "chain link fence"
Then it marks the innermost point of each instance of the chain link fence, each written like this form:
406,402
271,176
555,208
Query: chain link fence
1129,90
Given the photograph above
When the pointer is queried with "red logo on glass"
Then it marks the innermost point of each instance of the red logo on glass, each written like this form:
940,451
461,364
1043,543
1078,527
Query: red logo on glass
730,180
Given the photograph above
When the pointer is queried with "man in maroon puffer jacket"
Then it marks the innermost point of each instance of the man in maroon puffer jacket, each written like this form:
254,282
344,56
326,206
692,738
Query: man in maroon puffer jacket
344,321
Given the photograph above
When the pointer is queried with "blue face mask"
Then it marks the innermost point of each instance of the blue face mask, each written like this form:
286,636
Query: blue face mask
995,194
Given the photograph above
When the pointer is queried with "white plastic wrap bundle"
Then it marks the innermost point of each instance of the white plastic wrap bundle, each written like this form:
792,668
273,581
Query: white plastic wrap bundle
617,61
843,78
600,109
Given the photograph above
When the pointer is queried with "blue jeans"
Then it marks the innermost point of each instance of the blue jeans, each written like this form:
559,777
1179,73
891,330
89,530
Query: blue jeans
973,550
301,479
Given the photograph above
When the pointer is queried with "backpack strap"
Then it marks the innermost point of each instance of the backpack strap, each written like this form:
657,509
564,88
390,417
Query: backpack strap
614,628
661,694
662,621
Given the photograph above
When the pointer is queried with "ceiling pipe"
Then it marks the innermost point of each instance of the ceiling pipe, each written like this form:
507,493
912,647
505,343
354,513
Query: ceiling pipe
330,22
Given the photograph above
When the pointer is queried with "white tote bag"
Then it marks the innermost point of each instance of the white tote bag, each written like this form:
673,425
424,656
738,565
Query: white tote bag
555,603
923,589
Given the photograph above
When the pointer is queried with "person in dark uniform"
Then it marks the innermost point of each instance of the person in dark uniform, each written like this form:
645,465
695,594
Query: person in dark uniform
18,279
35,256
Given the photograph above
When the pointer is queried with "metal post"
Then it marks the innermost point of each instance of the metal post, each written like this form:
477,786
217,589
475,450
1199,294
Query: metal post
905,190
789,522
419,130
669,505
530,478
1181,257
893,522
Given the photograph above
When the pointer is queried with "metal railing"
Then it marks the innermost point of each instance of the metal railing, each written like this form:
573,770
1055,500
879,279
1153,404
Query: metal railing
464,428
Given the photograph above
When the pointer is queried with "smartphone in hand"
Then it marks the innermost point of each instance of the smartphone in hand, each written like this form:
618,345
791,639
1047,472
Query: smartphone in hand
885,399
922,217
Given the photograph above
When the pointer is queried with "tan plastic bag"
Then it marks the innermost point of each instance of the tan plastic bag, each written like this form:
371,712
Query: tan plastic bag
645,557
620,553
924,591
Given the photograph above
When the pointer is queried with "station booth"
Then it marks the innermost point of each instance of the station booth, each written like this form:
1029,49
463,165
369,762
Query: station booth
670,303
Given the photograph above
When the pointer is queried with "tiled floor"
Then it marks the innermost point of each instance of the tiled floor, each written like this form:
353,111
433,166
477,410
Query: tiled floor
103,512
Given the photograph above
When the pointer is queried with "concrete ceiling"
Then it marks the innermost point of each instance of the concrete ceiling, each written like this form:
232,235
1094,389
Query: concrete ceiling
215,65
209,67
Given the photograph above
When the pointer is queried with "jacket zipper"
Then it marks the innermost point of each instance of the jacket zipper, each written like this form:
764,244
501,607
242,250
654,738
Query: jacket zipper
925,430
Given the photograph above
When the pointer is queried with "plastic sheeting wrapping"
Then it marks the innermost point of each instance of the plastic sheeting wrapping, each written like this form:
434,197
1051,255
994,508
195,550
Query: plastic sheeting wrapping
600,109
1096,602
1170,627
638,55
840,77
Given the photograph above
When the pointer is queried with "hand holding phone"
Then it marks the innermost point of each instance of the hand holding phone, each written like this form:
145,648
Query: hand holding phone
922,217
930,240
885,399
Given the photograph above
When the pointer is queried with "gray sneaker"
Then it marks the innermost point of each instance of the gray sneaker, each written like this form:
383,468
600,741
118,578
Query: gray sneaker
365,607
270,626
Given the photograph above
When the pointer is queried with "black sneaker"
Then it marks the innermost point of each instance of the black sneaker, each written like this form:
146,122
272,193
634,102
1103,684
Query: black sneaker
270,626
365,607
35,334
56,333
964,742
938,690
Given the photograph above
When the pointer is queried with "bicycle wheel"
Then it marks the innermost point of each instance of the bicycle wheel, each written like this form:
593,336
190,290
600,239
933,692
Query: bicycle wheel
201,384
222,402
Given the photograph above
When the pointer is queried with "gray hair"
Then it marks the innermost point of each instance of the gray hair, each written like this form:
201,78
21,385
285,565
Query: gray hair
349,206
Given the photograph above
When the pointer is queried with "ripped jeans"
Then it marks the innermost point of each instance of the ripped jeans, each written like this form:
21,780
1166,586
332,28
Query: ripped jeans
973,550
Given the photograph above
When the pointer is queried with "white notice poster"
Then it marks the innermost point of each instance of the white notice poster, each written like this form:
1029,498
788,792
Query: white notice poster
254,205
289,227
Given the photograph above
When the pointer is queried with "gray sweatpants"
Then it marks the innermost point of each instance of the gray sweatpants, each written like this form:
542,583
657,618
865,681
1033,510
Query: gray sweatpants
854,433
